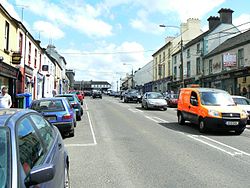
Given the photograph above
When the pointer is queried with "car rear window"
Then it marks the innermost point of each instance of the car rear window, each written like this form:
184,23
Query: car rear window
48,105
5,158
241,101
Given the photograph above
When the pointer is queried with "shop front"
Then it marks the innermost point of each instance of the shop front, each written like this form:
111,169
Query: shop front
8,77
29,81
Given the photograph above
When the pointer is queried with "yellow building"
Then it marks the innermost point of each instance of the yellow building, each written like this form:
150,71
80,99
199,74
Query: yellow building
10,56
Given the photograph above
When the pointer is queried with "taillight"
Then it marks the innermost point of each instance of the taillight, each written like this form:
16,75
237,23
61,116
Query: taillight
67,116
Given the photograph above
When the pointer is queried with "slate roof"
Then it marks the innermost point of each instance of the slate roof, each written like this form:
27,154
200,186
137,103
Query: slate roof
231,43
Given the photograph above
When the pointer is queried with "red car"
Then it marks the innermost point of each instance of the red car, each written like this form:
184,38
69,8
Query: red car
172,100
79,94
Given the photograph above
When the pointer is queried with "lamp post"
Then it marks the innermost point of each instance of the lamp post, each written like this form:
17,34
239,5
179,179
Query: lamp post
182,67
131,74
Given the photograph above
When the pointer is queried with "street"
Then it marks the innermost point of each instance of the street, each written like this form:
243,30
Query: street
120,144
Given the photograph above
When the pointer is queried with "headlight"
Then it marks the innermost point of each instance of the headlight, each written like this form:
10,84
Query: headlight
243,114
139,96
214,113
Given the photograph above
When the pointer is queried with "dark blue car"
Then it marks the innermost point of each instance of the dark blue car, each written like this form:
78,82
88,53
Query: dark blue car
58,112
31,151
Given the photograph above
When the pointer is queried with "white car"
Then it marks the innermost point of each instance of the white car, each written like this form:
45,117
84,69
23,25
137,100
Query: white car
243,103
154,100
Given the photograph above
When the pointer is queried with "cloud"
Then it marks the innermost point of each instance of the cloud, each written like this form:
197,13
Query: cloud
48,30
106,62
242,22
82,17
10,9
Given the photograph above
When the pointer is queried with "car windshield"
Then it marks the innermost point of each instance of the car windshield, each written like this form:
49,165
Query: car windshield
155,96
216,99
241,101
4,158
48,106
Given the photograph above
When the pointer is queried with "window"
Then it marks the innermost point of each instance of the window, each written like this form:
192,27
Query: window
210,68
175,59
163,70
198,66
169,53
29,54
198,48
175,72
188,53
44,128
159,58
188,69
156,60
169,68
35,60
241,57
20,43
6,36
159,70
30,147
163,56
193,98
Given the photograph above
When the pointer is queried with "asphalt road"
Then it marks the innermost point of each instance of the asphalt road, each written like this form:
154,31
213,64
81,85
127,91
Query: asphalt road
121,145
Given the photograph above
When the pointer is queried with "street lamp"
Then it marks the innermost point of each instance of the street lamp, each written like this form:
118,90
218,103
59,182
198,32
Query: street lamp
132,74
182,67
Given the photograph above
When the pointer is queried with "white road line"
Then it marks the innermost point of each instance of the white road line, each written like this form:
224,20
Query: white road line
135,110
91,128
233,148
79,145
213,146
162,120
218,145
151,118
86,106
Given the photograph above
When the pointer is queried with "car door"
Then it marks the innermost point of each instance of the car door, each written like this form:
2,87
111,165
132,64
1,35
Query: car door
54,146
193,108
29,148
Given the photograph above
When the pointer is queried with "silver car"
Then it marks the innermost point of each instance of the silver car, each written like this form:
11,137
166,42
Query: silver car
154,100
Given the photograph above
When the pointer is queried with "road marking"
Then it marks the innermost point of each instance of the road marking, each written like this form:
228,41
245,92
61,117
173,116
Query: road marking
157,119
79,145
135,110
151,118
218,145
91,128
86,106
162,120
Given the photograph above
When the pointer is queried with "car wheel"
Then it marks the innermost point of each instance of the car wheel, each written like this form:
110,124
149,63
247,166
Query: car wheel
72,133
238,132
164,109
142,105
181,120
66,177
202,126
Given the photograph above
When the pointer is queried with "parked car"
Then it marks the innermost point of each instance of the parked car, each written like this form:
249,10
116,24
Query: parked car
58,112
153,100
32,152
79,94
87,93
132,96
97,94
210,109
75,104
244,104
172,100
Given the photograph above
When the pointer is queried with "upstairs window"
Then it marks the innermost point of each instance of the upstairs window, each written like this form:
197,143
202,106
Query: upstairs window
35,59
29,54
6,36
20,43
198,65
198,48
210,69
163,56
241,57
188,53
188,69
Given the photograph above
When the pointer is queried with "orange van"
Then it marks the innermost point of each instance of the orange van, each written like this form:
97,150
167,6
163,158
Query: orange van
210,109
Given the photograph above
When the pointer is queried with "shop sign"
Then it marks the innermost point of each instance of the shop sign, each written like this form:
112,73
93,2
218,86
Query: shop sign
28,70
229,60
8,71
16,58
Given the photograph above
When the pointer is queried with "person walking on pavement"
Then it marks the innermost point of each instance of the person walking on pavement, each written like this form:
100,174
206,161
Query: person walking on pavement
5,98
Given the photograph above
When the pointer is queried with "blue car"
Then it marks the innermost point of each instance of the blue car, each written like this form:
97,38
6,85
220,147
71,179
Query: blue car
58,112
32,153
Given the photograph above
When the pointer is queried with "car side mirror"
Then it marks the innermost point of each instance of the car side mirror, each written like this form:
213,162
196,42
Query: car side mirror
40,174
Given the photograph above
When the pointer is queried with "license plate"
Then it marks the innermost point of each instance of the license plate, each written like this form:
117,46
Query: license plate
50,118
232,123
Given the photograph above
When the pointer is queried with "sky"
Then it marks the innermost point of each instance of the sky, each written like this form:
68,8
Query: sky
103,40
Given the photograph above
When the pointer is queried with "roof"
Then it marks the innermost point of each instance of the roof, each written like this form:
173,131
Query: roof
49,98
238,40
168,43
201,89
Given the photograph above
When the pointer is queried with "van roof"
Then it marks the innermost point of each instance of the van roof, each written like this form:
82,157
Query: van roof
200,89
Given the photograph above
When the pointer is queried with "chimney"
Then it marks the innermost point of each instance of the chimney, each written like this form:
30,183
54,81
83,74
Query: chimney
226,15
213,21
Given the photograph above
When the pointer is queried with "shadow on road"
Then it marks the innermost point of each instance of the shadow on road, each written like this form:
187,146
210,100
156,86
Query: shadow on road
189,128
151,109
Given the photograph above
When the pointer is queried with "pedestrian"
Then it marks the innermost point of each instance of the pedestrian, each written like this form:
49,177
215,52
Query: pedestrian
5,98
